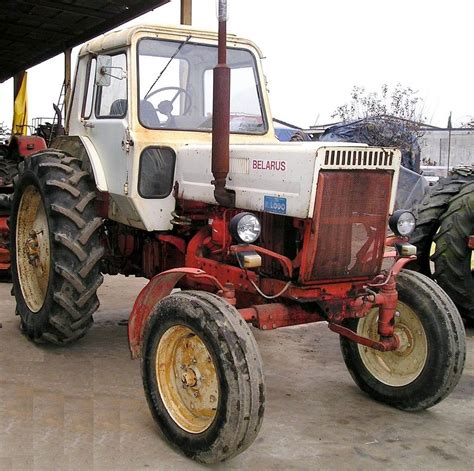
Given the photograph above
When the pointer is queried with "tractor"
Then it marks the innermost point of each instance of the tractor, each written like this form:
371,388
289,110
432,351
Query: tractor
12,152
170,170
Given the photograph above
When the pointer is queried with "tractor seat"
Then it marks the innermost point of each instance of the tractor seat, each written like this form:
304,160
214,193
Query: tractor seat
148,116
118,108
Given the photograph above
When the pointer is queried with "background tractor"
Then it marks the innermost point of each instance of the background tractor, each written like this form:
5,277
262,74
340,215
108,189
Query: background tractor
148,181
12,152
444,237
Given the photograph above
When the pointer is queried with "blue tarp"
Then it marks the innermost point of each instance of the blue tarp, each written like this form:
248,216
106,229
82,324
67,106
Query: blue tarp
371,131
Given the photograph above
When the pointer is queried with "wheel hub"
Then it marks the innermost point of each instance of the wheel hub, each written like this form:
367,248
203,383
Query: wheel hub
187,379
33,248
405,340
401,366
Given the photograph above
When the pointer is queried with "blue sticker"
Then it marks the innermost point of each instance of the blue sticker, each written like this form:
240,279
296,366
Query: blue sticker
274,204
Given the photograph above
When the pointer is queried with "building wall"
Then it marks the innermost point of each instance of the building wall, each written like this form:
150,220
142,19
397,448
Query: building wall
434,146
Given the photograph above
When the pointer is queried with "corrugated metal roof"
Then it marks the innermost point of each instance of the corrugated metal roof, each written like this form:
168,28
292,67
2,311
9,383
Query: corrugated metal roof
32,31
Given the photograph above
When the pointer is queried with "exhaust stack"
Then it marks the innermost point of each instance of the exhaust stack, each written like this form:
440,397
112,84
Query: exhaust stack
221,115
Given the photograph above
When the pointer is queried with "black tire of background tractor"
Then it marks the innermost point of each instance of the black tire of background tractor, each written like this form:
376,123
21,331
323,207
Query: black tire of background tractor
452,258
3,151
428,213
68,195
446,348
8,171
238,366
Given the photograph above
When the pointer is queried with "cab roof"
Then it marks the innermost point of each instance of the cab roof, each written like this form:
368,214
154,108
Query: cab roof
122,38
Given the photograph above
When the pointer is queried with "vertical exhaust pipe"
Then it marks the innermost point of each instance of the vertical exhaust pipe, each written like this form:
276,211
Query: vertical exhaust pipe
221,115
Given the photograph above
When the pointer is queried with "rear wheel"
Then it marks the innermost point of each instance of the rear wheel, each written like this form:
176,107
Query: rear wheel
55,248
453,257
428,213
8,171
202,375
429,362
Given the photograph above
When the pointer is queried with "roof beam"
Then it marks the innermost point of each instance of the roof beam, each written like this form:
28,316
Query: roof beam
21,30
18,38
45,20
60,6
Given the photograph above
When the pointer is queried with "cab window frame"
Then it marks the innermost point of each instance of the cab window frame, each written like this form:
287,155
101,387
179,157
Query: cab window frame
100,90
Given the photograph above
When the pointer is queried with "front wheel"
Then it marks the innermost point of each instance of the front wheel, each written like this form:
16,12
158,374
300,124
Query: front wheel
429,362
202,375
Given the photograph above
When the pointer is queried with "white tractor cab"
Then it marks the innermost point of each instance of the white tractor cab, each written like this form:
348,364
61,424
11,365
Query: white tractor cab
145,118
148,182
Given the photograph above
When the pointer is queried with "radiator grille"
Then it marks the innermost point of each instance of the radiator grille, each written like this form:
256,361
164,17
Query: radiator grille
355,158
349,226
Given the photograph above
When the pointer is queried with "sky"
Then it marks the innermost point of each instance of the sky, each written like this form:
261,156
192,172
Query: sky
316,51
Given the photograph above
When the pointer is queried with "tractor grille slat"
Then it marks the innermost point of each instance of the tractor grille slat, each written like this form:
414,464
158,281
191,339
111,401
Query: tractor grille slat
340,158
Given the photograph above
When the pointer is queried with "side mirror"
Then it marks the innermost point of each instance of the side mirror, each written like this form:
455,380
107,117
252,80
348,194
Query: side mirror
102,72
105,71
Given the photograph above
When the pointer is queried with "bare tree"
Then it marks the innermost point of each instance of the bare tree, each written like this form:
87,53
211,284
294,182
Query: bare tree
4,131
389,117
468,124
394,116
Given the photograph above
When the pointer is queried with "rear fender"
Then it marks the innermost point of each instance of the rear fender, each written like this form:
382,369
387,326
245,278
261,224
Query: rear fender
96,164
157,288
82,148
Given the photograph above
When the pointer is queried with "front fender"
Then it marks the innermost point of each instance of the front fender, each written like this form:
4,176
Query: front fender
157,288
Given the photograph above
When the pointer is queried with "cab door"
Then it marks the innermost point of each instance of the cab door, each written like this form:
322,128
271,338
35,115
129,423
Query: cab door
106,121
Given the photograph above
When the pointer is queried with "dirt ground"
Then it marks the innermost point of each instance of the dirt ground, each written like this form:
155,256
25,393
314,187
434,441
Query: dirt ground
83,407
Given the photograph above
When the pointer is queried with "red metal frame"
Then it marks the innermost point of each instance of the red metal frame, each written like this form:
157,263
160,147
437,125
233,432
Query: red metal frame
337,300
274,315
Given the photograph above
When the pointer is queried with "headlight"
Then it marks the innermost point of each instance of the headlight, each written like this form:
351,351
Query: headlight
402,222
245,228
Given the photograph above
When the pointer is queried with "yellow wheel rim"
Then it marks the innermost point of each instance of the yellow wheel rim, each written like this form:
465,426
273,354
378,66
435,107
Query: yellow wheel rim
402,366
187,379
33,248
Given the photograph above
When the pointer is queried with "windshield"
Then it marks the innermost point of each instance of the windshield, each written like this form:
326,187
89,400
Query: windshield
175,87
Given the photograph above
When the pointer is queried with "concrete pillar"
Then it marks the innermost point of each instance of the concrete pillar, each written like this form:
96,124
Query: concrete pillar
186,12
67,82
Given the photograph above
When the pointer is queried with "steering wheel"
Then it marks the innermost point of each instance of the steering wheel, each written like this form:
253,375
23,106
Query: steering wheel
165,107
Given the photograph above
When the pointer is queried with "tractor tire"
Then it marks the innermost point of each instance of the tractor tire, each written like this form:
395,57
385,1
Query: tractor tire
3,151
452,258
428,364
8,171
202,375
428,213
55,248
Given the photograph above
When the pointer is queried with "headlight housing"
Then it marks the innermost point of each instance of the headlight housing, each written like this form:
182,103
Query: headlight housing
402,222
245,228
